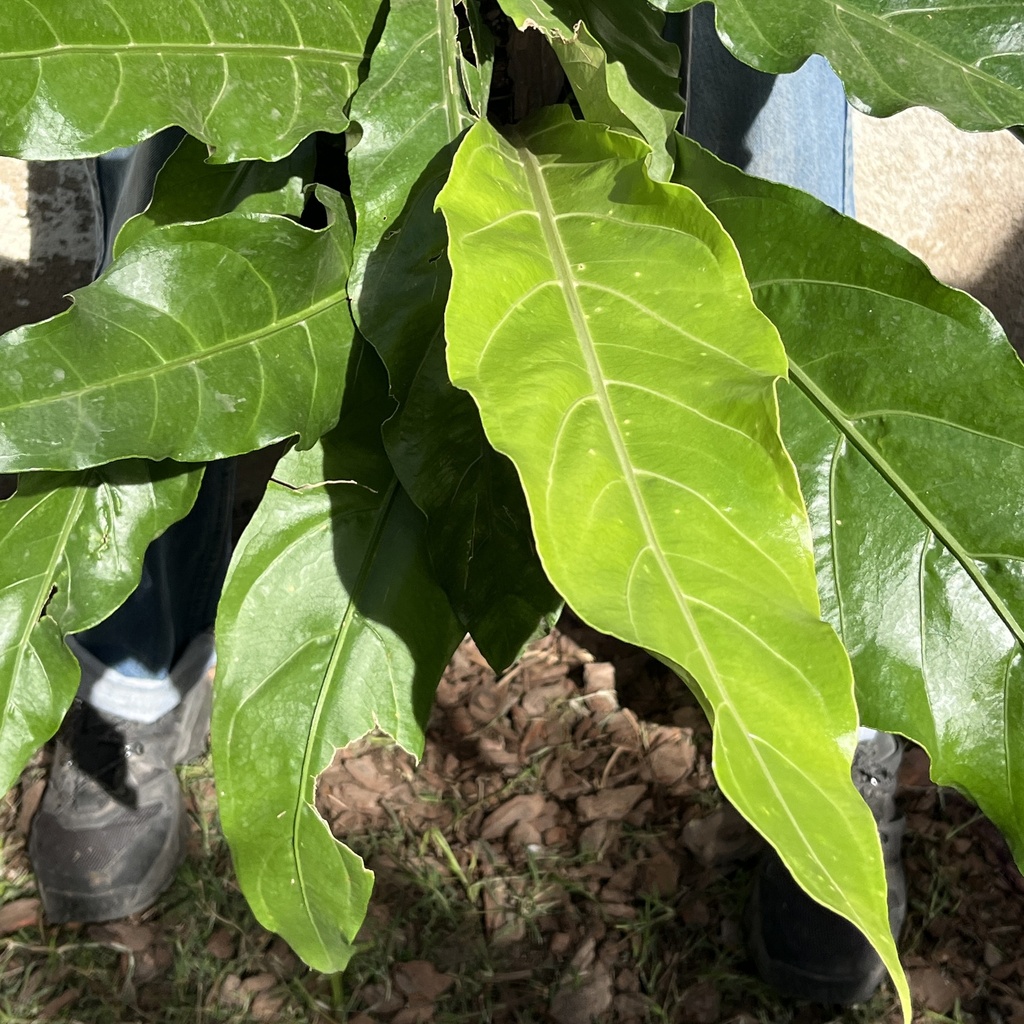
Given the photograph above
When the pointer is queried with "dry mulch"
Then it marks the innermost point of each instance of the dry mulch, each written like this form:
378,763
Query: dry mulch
563,814
588,766
561,854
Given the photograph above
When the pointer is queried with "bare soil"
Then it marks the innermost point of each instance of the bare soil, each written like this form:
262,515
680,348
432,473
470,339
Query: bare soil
560,854
591,762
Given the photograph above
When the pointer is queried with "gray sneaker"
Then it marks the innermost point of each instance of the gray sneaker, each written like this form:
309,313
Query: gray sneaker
109,834
806,951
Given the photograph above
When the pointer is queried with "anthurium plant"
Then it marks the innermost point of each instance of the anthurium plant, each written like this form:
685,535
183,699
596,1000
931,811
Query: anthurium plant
565,357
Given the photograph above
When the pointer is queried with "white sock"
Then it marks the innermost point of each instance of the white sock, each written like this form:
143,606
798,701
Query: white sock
141,699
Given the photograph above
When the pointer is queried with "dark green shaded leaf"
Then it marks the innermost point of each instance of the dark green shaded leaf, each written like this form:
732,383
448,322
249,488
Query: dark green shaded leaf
252,80
146,363
411,111
475,71
626,371
410,108
331,626
932,659
961,57
71,548
481,542
189,188
909,443
623,72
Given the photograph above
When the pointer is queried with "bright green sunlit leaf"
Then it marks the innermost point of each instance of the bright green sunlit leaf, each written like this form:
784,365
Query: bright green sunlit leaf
603,324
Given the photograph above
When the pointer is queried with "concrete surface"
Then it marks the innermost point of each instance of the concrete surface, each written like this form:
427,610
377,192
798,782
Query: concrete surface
48,237
953,198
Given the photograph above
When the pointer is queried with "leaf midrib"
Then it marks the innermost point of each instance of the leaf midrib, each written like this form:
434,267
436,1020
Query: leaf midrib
209,49
189,359
563,274
306,792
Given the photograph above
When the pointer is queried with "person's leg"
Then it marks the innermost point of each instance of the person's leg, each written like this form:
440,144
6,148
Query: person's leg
139,662
796,129
176,600
109,834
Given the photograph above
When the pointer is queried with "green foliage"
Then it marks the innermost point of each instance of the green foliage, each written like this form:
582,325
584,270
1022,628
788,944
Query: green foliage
332,625
626,77
620,440
194,372
478,525
250,79
192,189
921,585
79,537
963,58
583,404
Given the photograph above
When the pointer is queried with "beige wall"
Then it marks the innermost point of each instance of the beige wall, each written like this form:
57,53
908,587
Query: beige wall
953,198
47,237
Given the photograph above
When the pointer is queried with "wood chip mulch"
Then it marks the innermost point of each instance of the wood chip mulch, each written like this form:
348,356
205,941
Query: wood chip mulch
565,815
578,828
561,854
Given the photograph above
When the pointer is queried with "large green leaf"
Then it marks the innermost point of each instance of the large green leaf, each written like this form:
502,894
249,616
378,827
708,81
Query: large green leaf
250,79
625,369
71,547
932,658
202,341
411,110
909,442
961,57
190,188
330,626
623,72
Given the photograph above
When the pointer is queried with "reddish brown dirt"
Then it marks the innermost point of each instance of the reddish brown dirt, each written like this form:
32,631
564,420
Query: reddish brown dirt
561,854
576,797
